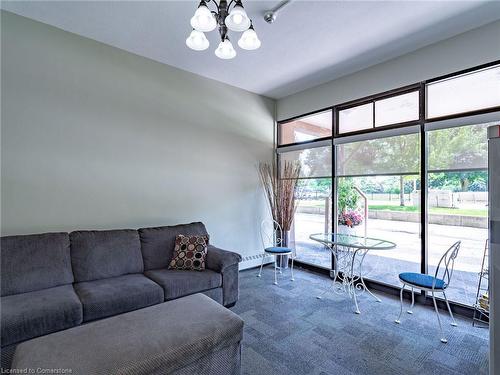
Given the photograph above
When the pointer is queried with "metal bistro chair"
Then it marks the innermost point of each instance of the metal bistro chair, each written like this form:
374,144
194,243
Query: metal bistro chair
271,235
432,284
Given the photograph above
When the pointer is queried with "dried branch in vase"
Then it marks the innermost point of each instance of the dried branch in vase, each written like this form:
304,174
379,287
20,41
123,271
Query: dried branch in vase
282,191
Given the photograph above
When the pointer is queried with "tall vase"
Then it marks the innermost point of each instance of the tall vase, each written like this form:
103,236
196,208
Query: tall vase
286,241
345,229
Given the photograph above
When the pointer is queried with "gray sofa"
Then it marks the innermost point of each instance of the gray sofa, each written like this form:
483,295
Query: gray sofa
54,281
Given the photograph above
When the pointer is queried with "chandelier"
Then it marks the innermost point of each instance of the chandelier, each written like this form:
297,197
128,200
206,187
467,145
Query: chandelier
235,19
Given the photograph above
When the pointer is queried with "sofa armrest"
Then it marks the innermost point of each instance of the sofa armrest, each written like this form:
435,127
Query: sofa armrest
218,259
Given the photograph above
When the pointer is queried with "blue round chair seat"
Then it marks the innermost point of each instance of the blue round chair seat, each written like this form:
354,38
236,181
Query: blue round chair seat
278,250
421,280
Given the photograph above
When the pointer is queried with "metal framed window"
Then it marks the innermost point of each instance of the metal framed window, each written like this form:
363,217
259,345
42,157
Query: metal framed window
315,126
464,93
408,120
302,139
392,109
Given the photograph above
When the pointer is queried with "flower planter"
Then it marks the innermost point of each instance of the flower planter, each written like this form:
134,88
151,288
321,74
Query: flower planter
345,229
348,221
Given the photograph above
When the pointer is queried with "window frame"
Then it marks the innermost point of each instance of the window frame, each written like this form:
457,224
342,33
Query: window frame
416,87
423,123
457,74
295,118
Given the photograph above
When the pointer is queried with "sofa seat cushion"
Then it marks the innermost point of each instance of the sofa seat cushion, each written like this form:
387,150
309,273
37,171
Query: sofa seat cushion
177,283
116,295
33,314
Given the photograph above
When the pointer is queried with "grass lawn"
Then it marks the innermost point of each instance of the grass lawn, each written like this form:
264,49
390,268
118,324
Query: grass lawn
433,210
388,207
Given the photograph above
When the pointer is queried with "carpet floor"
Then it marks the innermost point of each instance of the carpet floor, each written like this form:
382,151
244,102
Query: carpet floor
289,331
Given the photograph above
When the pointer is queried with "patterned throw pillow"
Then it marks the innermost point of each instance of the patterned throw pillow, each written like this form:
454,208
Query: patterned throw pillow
189,253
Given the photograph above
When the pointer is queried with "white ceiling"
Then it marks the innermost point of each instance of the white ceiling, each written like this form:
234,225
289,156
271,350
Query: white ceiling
311,42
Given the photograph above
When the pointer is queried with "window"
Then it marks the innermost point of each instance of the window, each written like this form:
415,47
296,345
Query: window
356,118
465,93
314,162
378,184
388,110
397,109
392,155
306,128
457,203
313,215
314,207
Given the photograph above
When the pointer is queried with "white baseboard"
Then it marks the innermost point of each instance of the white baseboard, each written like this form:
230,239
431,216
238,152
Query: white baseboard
255,260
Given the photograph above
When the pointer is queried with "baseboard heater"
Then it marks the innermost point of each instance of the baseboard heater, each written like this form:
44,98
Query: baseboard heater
255,260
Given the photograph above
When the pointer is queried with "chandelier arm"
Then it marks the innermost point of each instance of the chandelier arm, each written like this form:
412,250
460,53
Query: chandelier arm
217,5
215,13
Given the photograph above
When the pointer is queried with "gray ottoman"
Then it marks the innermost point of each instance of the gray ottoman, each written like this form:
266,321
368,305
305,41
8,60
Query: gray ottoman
190,335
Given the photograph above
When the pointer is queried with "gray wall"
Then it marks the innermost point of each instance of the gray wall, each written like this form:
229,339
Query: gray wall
94,137
466,50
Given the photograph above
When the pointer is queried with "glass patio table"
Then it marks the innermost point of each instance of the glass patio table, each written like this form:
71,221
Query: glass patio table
349,252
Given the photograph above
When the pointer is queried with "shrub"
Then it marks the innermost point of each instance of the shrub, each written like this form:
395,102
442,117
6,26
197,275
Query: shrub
347,196
478,185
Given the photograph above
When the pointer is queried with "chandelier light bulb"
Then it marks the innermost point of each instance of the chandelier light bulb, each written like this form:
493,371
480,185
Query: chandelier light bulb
249,40
225,50
197,41
203,19
237,20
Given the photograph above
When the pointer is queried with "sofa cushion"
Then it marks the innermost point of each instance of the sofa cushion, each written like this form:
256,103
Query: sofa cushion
102,254
116,295
158,243
33,314
34,262
189,253
177,284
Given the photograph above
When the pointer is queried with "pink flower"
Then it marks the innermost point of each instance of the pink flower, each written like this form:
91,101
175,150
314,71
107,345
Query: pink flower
350,218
